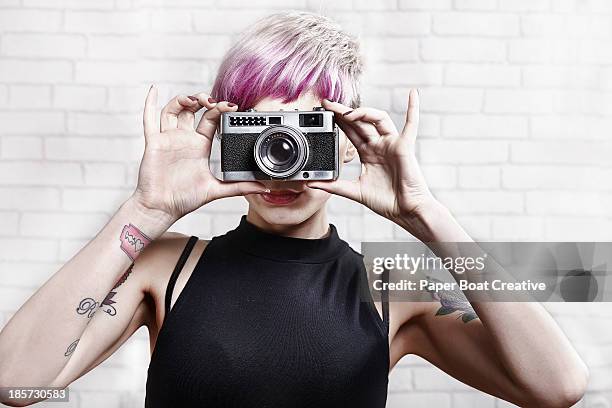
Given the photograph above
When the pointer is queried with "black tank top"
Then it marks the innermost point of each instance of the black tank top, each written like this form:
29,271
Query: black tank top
271,321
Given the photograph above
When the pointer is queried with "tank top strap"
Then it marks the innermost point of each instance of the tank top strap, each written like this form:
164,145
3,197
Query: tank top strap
177,270
385,299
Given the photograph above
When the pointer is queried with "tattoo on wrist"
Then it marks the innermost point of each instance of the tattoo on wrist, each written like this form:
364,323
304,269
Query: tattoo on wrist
108,302
453,301
71,348
133,241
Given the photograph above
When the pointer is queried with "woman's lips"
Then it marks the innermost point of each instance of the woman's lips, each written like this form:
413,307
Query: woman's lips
281,197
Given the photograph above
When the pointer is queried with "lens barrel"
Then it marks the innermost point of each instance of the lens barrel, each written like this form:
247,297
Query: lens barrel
281,151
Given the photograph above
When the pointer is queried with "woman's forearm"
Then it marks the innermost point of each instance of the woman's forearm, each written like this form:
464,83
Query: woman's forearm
38,341
533,349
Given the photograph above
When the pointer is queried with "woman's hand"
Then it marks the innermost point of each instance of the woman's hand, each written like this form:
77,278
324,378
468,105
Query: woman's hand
174,177
391,183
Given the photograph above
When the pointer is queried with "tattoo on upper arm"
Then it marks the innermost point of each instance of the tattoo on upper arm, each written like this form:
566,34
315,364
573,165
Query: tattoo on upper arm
453,301
71,348
133,241
89,306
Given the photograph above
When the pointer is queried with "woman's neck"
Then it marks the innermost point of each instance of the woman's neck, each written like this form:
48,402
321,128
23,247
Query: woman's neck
314,227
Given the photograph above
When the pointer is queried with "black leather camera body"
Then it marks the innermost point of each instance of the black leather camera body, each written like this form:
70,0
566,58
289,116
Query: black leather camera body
282,145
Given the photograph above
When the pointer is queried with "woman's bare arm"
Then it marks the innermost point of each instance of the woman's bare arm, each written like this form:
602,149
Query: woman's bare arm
40,339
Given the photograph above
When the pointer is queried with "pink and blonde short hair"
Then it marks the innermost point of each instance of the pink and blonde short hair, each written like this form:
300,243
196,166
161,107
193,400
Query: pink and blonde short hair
287,54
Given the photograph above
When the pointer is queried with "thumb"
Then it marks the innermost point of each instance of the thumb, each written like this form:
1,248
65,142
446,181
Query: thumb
345,188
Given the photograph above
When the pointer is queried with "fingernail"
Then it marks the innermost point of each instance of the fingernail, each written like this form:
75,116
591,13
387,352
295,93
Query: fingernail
347,113
231,105
267,190
193,98
212,100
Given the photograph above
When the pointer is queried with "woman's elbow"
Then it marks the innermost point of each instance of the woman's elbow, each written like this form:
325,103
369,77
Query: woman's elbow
567,391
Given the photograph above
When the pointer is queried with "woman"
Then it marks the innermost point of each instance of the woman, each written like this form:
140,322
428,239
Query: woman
269,313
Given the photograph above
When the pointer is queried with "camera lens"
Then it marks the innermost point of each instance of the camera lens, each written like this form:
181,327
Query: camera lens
280,151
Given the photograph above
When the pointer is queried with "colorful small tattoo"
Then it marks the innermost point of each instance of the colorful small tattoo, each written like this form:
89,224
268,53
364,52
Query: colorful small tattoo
108,304
133,241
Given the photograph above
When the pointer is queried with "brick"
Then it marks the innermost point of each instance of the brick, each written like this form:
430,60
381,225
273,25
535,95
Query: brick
106,150
463,50
13,70
223,223
519,101
19,198
400,379
397,23
543,51
40,173
70,4
517,228
93,399
216,21
258,4
479,177
402,400
127,98
30,96
15,147
105,124
566,203
367,5
3,95
11,299
344,206
482,75
21,249
590,229
524,5
44,45
117,47
173,3
404,74
481,202
61,225
376,96
576,127
475,5
440,176
104,174
20,122
370,227
200,224
566,26
133,72
123,22
26,274
473,399
9,222
170,21
484,126
462,152
69,248
165,46
75,97
227,205
431,378
594,52
560,77
557,177
425,4
561,153
114,379
476,24
37,20
445,100
391,49
477,226
93,200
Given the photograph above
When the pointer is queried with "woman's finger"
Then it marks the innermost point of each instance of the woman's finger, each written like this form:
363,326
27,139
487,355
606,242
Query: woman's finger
379,119
412,116
170,112
205,100
238,188
210,120
360,134
346,188
149,114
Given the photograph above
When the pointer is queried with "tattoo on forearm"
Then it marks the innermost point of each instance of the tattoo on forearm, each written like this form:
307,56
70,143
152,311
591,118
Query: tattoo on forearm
108,302
133,241
71,348
89,306
453,301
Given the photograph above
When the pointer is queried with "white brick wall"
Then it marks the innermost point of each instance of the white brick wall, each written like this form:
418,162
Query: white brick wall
515,137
